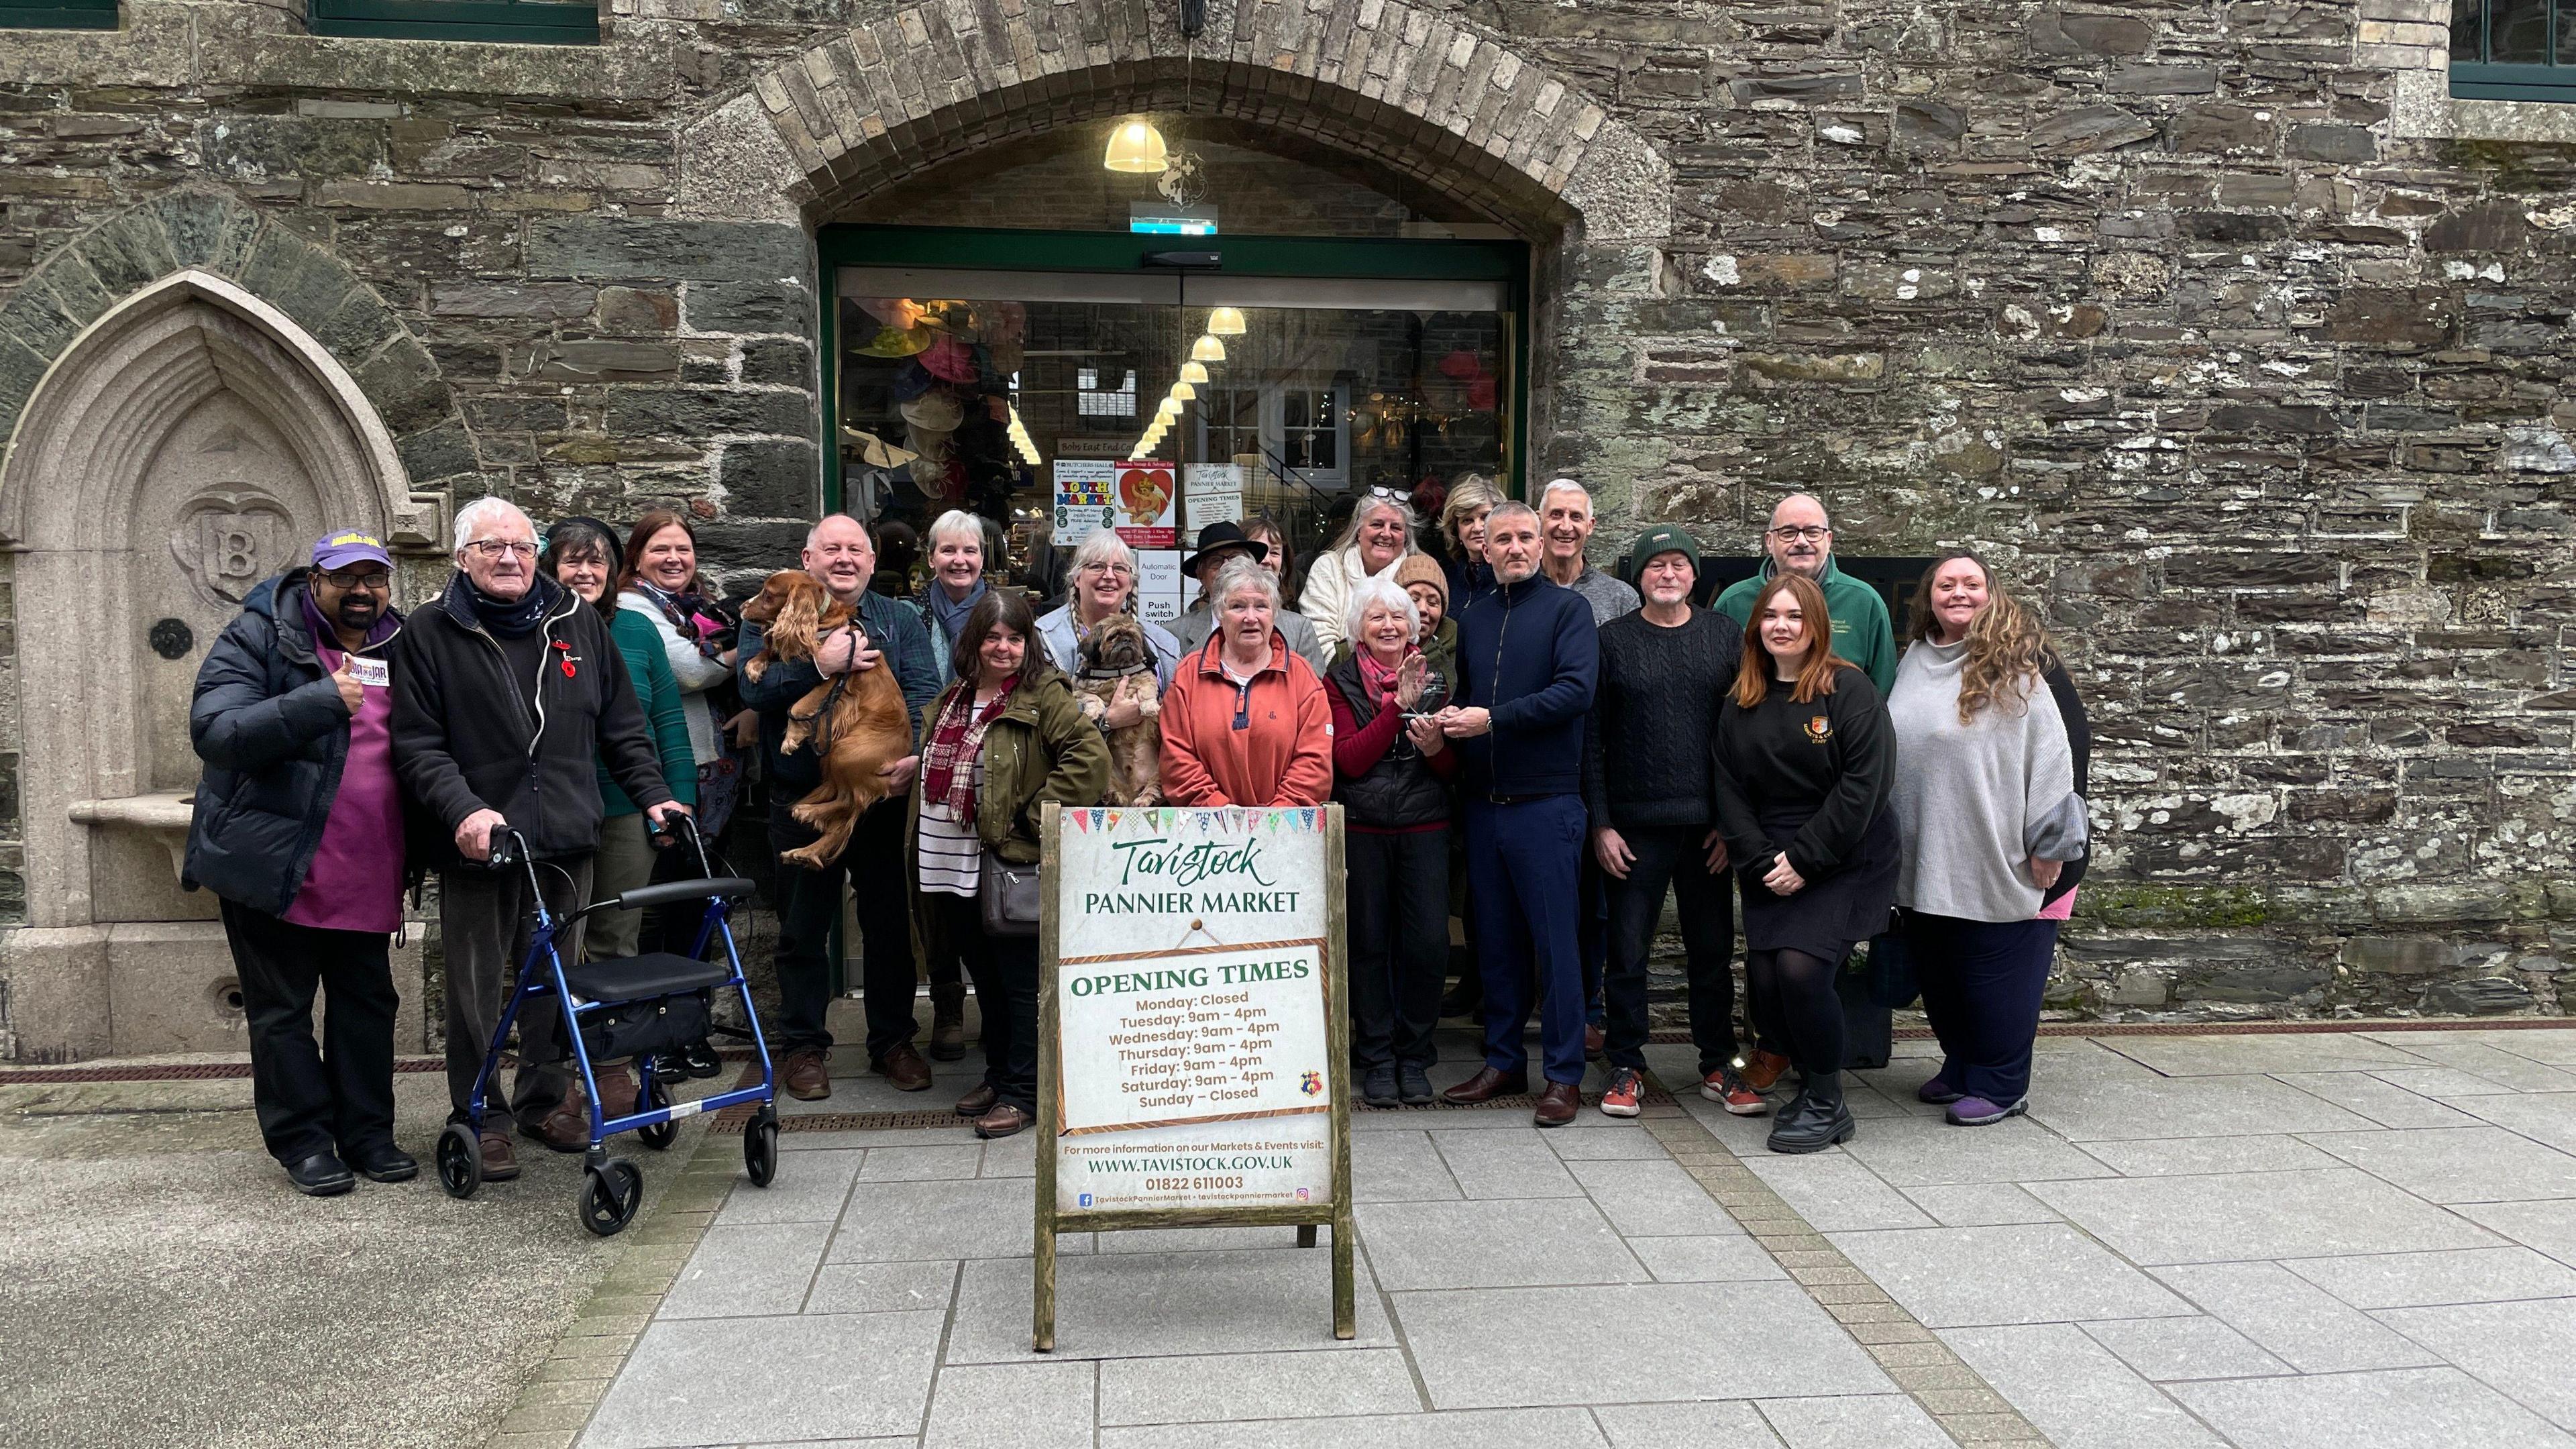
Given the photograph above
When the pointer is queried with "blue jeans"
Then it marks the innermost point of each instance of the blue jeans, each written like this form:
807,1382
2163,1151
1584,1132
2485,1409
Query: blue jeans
1522,877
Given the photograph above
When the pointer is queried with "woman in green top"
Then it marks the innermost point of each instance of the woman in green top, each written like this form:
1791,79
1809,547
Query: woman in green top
583,556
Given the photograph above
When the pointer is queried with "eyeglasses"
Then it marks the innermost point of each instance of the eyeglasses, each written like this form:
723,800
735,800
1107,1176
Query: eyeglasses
1399,495
1119,569
496,547
374,581
1812,532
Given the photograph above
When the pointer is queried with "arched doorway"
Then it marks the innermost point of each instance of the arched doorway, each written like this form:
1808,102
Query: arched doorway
188,444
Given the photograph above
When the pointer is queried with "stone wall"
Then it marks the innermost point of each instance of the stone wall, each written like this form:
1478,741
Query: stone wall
2258,385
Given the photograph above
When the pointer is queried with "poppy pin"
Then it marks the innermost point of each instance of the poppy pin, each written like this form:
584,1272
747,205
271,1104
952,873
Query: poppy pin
566,658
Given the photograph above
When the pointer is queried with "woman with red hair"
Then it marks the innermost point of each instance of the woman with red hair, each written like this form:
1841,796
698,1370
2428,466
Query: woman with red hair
1805,760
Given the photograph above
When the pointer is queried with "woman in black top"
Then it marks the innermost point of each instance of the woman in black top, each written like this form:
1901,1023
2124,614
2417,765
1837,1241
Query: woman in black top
1804,762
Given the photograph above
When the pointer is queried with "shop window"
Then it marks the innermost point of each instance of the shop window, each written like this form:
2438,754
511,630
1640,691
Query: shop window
58,14
514,22
1017,393
2513,50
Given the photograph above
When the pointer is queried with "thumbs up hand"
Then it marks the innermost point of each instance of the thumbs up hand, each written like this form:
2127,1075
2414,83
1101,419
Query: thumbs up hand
352,693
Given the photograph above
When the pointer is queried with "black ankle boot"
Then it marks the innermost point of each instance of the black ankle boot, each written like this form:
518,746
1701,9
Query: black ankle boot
1817,1119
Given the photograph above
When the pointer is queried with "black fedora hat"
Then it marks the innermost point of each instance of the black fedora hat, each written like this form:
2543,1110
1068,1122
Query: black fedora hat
1217,537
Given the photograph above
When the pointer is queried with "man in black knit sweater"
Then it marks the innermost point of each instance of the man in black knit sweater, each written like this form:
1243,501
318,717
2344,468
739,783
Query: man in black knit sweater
1646,787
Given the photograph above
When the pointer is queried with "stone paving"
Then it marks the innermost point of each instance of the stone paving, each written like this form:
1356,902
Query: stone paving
2268,1241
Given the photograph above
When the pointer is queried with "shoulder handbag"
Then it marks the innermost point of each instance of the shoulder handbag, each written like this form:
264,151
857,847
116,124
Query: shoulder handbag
1008,893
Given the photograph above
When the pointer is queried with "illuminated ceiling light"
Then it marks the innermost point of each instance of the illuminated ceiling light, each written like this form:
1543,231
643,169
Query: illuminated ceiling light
1168,409
1194,372
1184,391
1225,322
1207,349
1135,147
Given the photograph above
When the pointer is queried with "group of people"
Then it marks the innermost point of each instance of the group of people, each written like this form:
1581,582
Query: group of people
1515,736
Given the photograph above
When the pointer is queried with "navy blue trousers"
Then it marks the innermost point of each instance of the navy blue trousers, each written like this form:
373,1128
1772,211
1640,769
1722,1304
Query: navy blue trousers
1982,982
1522,883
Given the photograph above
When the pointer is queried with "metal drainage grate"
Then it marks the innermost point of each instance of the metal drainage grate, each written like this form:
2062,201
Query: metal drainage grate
732,1119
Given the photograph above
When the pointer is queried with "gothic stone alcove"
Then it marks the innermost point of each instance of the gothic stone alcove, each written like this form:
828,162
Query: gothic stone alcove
190,443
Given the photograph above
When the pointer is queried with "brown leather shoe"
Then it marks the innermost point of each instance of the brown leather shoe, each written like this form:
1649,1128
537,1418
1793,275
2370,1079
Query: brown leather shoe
618,1090
1594,1040
1002,1121
500,1159
1486,1085
977,1102
1557,1105
1762,1069
904,1068
567,1127
806,1075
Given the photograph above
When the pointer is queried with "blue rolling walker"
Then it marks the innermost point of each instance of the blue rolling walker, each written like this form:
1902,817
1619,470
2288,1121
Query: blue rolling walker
637,1006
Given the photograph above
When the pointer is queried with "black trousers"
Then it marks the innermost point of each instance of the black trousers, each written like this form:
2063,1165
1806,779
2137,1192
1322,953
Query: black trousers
1671,855
1005,972
340,1094
809,905
1398,894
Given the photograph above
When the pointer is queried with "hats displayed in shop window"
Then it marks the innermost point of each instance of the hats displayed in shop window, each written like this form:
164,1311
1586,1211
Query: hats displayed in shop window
951,360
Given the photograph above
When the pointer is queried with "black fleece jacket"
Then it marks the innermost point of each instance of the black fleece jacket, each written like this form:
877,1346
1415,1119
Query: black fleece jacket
470,733
1802,779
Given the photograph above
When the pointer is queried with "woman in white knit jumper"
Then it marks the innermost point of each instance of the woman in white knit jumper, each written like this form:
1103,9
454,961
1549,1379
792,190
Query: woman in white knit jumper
1992,745
1373,547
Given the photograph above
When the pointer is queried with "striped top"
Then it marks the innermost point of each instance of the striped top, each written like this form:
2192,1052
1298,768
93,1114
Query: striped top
952,857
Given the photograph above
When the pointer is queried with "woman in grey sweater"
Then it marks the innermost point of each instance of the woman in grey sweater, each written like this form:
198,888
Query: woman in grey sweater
1990,804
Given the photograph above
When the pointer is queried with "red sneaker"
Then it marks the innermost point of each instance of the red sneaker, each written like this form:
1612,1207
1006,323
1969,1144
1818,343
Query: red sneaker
1727,1090
1619,1099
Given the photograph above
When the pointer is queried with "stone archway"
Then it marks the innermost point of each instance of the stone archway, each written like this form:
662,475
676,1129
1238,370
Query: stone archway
185,445
1440,100
1434,98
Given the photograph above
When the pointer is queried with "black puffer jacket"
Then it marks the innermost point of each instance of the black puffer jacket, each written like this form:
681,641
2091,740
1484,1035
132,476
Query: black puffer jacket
467,738
269,724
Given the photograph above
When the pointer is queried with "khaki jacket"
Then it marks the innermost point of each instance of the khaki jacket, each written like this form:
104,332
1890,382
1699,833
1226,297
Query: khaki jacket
1041,749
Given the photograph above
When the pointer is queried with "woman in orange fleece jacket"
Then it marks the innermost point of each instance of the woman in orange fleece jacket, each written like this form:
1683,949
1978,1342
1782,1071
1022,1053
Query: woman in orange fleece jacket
1246,722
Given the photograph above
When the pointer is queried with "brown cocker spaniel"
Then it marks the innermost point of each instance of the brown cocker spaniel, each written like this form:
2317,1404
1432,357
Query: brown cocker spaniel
860,715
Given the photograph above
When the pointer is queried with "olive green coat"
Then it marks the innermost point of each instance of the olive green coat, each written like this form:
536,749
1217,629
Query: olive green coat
1040,749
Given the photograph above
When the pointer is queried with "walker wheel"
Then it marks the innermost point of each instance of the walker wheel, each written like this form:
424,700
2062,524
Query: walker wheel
760,1147
656,1096
610,1195
460,1160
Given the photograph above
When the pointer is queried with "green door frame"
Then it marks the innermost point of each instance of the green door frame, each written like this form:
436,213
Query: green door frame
1006,250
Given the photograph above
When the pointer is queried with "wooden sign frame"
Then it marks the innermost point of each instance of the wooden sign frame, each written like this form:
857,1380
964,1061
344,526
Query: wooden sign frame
1304,1217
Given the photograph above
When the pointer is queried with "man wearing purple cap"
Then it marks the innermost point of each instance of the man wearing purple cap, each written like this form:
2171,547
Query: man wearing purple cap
299,829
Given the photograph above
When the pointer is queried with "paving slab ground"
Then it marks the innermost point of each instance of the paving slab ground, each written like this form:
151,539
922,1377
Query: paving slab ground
2265,1242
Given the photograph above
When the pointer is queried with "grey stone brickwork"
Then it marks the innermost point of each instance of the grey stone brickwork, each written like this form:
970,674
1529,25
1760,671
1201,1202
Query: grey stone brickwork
2229,339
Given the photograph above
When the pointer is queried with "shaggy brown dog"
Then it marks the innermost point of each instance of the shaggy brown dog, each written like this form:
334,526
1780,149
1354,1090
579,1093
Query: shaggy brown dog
860,715
1117,664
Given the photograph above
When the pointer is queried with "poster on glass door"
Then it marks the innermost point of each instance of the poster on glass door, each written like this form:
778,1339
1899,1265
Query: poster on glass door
1085,493
1148,502
1214,494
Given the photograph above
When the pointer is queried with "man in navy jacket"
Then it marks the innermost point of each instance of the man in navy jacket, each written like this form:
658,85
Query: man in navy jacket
1528,657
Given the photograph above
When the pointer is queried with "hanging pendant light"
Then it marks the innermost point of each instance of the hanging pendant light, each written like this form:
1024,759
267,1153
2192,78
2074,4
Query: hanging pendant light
1135,147
1225,322
1184,391
1207,349
1168,409
1194,372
